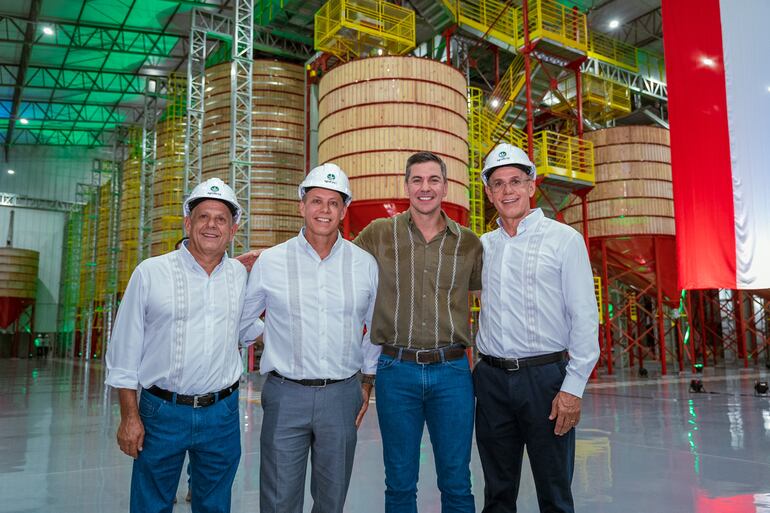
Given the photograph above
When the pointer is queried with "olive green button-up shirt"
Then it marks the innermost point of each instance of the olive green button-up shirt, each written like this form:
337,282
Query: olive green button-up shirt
422,295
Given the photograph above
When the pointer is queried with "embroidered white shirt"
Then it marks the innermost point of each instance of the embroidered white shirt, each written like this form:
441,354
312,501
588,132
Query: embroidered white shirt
315,310
538,297
177,327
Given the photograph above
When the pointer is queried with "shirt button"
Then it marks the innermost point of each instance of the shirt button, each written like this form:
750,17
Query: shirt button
423,296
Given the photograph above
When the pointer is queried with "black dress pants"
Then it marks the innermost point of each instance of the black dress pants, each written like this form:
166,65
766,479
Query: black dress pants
512,409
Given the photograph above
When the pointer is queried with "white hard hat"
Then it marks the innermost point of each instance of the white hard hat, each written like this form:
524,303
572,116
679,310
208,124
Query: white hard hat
506,154
327,176
216,189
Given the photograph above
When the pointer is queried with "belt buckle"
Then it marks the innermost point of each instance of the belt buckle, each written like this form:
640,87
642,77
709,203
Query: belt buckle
417,356
517,365
195,402
320,386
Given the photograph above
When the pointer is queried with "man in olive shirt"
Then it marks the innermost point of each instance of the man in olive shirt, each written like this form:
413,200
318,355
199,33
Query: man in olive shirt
427,265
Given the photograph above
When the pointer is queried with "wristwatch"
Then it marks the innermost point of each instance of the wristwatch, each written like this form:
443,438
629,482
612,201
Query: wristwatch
367,379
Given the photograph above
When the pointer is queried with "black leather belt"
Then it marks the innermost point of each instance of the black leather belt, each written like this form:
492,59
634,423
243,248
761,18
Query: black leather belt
514,364
308,382
425,356
196,401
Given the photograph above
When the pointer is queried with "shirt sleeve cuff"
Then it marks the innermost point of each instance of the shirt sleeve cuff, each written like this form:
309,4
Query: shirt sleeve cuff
250,334
122,378
573,385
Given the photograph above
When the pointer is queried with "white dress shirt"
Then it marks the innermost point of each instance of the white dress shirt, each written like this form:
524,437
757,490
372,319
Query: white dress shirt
538,297
177,327
315,310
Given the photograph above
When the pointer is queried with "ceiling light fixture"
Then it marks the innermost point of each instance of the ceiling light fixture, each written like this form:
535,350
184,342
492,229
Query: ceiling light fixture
495,103
23,121
48,31
708,61
11,172
614,24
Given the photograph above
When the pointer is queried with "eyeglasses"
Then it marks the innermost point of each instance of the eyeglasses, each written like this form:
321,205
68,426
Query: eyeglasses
515,183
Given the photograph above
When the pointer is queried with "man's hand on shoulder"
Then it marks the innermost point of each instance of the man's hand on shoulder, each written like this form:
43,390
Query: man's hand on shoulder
249,258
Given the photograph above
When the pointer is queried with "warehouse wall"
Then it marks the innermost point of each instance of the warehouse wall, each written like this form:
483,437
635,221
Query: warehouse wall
48,172
40,231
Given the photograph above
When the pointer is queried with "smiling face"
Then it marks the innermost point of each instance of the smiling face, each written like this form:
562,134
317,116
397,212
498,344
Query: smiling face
510,189
323,210
426,187
211,228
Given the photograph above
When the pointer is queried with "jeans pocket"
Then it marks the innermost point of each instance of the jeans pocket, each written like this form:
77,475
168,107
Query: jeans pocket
149,406
231,403
460,365
385,362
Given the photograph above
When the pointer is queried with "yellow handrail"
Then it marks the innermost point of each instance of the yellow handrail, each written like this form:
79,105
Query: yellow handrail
375,24
549,19
612,51
507,89
565,156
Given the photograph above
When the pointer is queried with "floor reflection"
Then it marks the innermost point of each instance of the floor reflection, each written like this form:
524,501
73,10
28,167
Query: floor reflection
642,446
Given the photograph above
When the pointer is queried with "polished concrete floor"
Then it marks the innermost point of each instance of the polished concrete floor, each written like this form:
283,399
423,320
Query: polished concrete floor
643,446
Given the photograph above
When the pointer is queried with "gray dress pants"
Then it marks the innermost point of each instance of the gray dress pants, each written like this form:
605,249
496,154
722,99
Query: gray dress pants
300,420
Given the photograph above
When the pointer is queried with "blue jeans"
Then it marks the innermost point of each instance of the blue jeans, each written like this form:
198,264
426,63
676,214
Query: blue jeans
410,395
210,435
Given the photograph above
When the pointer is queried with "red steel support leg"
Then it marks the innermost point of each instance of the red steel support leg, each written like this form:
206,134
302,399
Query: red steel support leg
661,320
605,306
740,327
639,328
579,100
631,342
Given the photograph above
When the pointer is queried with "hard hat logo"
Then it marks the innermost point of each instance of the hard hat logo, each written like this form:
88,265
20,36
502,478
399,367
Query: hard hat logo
328,176
506,154
213,188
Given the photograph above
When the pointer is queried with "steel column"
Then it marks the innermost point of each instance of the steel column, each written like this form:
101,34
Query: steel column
196,86
240,118
605,306
149,155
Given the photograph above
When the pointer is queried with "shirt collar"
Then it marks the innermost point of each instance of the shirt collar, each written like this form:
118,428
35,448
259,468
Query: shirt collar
530,220
189,259
303,242
454,228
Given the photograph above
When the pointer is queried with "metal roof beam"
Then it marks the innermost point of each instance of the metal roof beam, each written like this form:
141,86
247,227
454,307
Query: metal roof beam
279,45
59,137
72,80
643,29
29,34
103,38
69,112
8,199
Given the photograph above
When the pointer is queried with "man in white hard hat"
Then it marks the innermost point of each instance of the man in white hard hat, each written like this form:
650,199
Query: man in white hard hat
537,341
428,263
318,292
176,340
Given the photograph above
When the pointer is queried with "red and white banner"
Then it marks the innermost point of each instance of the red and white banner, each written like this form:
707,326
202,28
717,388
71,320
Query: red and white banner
718,76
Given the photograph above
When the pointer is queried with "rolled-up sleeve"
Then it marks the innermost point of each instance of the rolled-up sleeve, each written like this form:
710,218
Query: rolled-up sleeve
582,315
124,353
371,352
